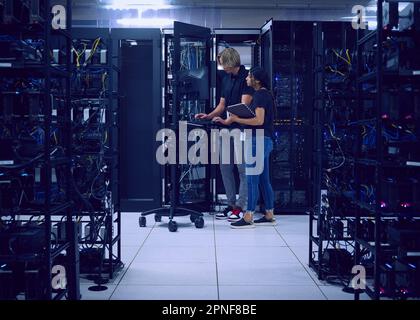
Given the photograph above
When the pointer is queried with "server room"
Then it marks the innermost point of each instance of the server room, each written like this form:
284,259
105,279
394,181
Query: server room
227,152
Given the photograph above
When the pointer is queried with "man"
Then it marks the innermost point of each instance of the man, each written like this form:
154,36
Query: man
234,90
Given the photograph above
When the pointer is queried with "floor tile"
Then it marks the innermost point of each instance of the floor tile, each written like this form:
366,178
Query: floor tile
337,293
295,239
292,222
270,263
134,239
177,239
301,252
314,275
147,292
128,253
176,274
248,255
248,237
304,292
172,254
260,273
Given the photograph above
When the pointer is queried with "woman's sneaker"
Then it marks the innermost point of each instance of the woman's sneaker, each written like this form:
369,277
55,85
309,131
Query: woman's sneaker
265,222
242,224
235,215
224,214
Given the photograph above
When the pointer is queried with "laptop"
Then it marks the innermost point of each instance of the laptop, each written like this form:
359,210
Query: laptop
241,110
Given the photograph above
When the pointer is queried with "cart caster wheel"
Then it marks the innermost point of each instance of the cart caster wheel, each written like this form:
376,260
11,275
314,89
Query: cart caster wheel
199,223
142,222
193,218
172,226
158,218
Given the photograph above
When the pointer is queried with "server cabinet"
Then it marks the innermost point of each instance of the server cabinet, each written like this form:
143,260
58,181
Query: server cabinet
186,91
286,54
335,104
95,112
139,52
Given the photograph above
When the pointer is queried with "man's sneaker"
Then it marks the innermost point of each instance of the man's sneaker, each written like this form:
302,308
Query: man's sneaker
224,214
235,215
265,222
242,224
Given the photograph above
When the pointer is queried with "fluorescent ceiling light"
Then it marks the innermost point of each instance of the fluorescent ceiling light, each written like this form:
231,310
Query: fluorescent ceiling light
128,7
372,8
372,25
367,18
144,22
136,4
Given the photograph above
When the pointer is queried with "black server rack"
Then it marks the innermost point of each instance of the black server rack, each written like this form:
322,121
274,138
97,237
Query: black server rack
386,225
186,187
187,49
38,231
331,240
95,113
286,54
139,54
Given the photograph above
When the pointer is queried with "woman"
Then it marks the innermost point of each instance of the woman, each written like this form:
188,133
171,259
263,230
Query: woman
263,105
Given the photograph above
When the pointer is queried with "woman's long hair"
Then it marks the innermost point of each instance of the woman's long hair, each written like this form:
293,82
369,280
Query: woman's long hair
260,75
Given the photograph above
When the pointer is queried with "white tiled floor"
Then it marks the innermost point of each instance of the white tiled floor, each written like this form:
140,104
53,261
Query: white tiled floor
216,262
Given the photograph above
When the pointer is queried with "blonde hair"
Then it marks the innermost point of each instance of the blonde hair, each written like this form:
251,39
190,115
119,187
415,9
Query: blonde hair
230,58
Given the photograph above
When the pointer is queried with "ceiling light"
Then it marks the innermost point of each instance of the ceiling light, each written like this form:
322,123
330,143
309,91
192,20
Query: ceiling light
372,25
146,23
136,4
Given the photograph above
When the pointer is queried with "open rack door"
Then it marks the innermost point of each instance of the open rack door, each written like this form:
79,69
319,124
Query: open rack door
191,66
191,95
266,43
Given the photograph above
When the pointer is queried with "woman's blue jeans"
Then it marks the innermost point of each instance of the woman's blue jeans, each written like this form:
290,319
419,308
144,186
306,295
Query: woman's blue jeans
262,179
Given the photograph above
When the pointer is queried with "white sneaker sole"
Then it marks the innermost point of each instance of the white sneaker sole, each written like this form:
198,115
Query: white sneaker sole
233,220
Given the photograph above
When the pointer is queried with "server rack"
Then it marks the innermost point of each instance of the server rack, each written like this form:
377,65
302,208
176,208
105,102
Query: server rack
178,44
286,56
139,54
330,240
186,92
388,67
35,107
95,111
